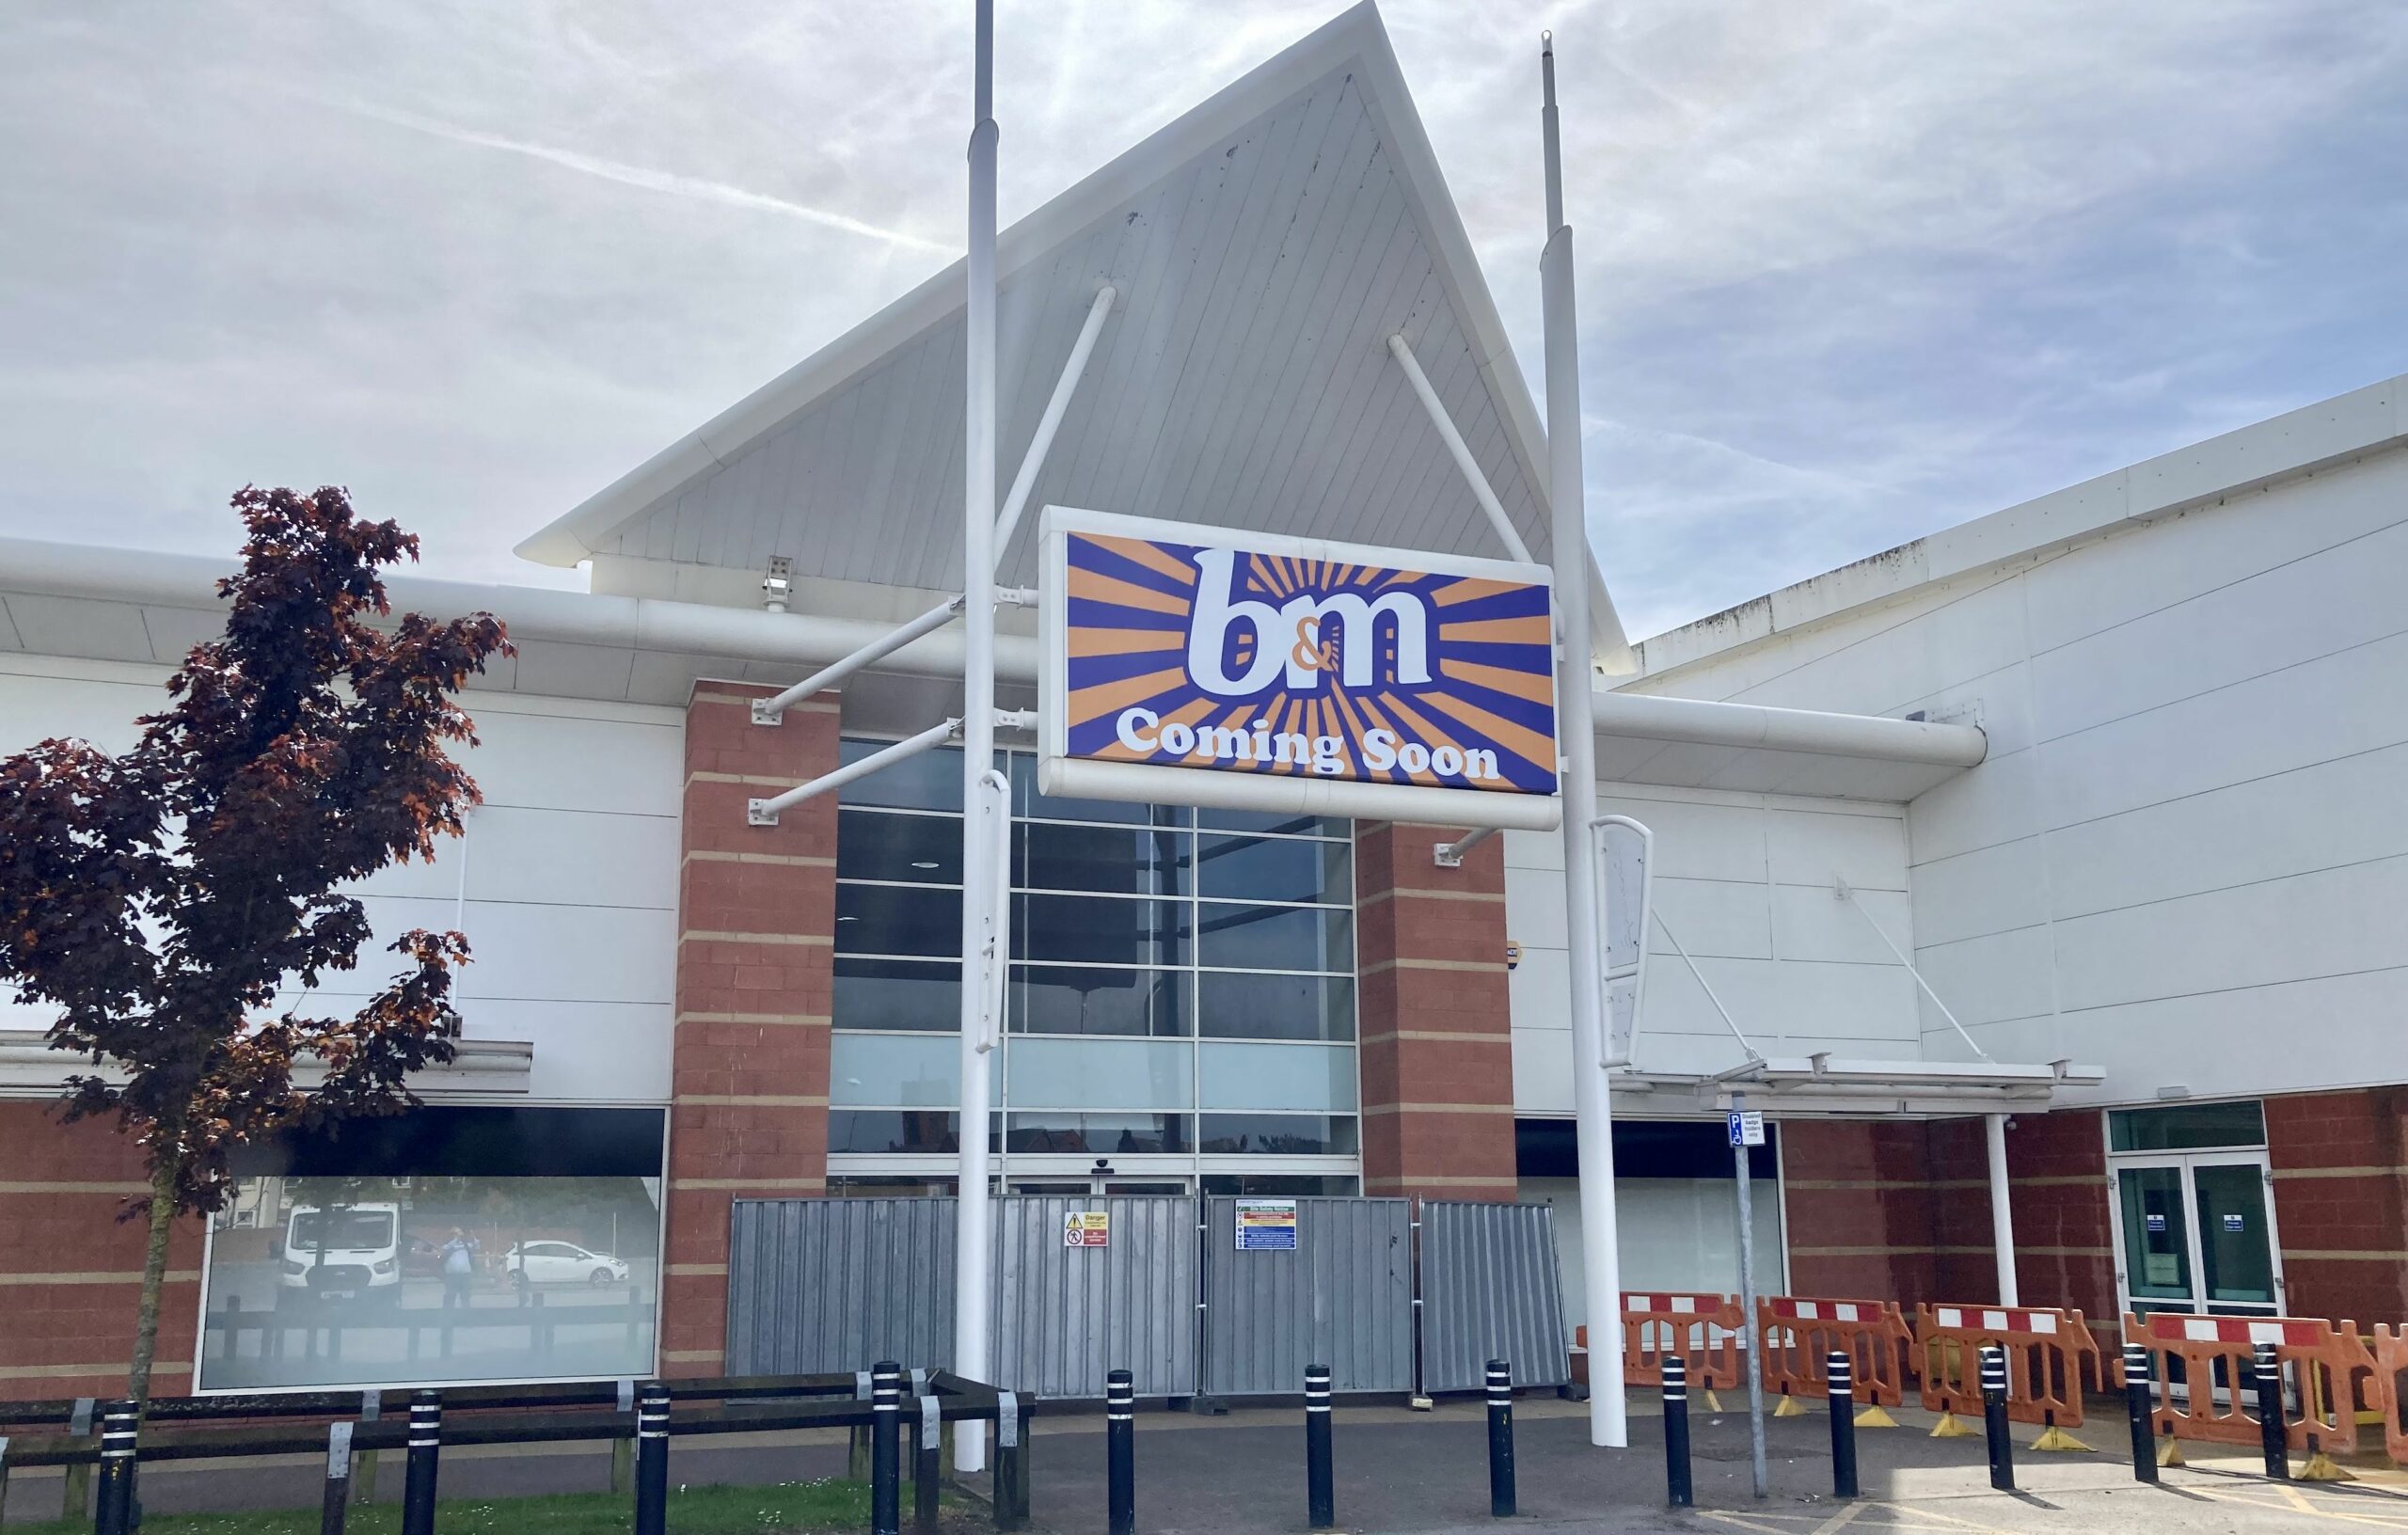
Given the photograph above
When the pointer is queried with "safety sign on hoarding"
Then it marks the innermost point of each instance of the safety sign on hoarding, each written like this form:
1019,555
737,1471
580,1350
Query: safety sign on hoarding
1202,651
1087,1228
1266,1226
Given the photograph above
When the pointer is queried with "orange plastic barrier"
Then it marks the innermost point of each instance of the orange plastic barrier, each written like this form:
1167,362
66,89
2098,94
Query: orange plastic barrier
1799,1334
2331,1369
2390,1360
2048,1352
1704,1330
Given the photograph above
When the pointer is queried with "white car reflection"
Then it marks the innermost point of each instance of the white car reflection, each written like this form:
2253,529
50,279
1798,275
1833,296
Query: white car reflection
561,1263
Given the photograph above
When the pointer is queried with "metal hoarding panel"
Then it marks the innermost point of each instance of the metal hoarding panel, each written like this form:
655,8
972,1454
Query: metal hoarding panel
1342,1297
1064,1315
821,1285
1490,1290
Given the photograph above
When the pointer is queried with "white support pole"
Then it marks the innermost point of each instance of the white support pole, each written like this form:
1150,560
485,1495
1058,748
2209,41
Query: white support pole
974,1213
1449,855
765,812
1577,739
1072,370
2002,1215
766,711
1486,496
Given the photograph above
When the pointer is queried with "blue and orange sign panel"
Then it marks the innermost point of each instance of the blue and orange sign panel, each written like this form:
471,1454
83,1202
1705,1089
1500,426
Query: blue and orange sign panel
1256,654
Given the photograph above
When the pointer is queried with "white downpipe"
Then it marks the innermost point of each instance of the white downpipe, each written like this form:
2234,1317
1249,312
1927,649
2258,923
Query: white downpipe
2002,1213
766,711
1067,385
1402,351
1841,889
973,1210
765,812
1600,1237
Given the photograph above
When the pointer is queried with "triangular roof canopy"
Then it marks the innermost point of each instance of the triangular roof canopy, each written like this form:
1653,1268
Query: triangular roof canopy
1264,247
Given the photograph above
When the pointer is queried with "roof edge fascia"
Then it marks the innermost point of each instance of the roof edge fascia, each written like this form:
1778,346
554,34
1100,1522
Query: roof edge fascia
2362,424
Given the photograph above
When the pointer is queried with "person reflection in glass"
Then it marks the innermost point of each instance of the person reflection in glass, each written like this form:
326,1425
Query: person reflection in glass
459,1267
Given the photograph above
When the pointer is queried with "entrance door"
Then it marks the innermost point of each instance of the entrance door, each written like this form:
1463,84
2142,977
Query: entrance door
2196,1233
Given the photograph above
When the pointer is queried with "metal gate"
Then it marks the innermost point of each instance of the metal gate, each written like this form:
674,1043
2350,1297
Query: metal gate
1064,1315
834,1285
1343,1298
822,1285
1490,1290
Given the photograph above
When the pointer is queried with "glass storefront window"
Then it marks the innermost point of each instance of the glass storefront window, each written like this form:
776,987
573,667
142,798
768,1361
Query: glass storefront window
1232,1005
1099,1135
1156,952
2187,1127
1274,937
1275,869
1055,999
445,1245
1279,1135
898,994
1278,1185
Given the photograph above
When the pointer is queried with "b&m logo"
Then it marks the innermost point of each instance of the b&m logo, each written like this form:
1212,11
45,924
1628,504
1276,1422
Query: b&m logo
1218,657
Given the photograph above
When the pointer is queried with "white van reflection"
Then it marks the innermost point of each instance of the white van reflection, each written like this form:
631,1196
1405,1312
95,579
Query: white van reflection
345,1253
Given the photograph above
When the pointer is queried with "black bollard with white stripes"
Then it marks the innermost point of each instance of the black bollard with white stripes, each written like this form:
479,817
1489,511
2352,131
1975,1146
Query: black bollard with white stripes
886,1449
1501,1439
2140,1406
1120,1451
336,1502
652,1459
1320,1496
1676,1431
2271,1428
426,1446
2002,1439
120,1427
1840,1374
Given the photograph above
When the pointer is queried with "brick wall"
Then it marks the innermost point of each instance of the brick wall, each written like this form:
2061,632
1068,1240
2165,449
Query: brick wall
1437,1046
756,917
2341,1202
70,1272
1900,1211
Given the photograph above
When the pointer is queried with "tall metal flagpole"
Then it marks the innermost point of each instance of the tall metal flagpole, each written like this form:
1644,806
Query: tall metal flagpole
983,915
1575,730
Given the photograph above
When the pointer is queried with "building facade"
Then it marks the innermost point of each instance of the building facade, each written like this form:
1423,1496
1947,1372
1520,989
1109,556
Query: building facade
2119,772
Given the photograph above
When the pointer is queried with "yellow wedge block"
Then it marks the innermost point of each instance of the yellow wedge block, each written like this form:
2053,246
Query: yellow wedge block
2169,1451
2053,1437
1713,1403
2320,1468
1789,1408
1949,1427
1871,1415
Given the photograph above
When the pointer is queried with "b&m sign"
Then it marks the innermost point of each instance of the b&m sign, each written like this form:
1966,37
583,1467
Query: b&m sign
1186,663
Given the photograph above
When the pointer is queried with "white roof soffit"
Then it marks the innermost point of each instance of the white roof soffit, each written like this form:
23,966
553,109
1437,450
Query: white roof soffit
1263,249
149,607
1800,1086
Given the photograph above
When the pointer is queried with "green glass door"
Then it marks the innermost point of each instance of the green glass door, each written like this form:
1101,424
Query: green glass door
2196,1234
2157,1239
2235,1250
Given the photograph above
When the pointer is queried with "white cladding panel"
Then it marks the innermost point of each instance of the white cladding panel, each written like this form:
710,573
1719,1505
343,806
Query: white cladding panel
2191,836
567,882
1744,882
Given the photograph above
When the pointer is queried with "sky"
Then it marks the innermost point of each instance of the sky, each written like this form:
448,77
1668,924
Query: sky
1851,271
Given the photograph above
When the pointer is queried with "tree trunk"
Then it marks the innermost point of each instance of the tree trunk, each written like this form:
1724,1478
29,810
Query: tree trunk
154,1275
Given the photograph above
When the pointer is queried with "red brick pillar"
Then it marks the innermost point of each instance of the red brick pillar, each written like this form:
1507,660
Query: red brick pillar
2340,1166
70,1272
757,921
1436,1041
1859,1209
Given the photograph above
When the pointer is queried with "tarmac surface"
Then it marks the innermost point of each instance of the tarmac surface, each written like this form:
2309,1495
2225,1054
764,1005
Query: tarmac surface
1426,1472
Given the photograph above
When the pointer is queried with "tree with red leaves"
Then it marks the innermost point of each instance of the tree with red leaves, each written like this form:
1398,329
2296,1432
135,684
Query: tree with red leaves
177,903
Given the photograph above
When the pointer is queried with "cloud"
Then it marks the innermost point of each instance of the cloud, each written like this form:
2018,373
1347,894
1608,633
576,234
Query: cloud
1849,271
666,182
